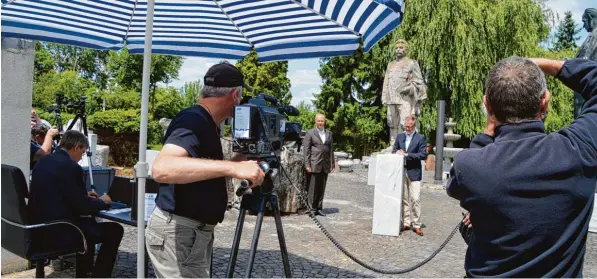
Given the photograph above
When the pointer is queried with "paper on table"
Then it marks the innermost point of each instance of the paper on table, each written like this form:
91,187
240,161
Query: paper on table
116,211
149,205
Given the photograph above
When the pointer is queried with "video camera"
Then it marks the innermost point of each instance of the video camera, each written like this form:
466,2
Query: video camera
260,130
62,101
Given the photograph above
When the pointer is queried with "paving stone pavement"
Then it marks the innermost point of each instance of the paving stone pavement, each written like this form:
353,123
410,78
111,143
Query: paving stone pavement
349,208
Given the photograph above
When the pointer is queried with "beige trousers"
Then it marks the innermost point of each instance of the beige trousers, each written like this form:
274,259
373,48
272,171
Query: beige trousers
411,202
179,247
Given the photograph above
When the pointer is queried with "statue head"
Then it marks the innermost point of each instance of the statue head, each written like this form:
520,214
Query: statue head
589,19
401,48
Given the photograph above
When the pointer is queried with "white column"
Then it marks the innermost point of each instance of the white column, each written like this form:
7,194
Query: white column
17,92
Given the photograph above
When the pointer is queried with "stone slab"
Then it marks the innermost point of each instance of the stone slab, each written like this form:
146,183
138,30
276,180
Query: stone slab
387,199
150,157
371,171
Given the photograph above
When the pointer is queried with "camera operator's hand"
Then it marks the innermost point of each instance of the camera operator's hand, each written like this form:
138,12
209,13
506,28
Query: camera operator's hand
52,132
106,199
249,170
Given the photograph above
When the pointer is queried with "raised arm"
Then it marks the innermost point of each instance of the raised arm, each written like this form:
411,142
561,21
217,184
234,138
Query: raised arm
421,151
579,75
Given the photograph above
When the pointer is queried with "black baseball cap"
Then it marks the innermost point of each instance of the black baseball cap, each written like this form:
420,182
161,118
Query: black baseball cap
225,75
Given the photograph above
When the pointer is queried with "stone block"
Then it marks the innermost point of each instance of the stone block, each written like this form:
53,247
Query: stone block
371,171
150,157
101,155
387,200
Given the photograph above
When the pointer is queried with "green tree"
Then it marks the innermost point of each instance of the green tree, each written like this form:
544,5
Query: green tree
270,78
306,115
469,37
89,63
169,102
44,63
566,34
191,92
455,42
67,83
127,70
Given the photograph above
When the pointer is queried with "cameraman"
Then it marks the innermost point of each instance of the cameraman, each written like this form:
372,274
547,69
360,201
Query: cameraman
193,195
42,143
530,194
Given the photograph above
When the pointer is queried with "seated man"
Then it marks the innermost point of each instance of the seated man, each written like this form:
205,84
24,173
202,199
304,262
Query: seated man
41,143
58,192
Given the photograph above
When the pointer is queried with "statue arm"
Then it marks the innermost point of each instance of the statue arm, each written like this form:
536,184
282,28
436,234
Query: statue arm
418,82
385,90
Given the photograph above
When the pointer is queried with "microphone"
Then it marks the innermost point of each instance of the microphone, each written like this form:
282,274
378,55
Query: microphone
246,184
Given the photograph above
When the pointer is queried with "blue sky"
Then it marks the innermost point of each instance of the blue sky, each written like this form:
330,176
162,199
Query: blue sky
305,80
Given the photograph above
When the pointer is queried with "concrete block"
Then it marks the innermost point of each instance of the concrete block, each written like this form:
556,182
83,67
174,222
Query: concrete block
387,200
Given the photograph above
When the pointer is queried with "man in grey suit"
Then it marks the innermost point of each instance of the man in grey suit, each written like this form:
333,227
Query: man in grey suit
318,147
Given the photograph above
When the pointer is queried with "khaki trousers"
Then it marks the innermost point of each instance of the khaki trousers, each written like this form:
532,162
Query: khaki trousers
411,202
178,246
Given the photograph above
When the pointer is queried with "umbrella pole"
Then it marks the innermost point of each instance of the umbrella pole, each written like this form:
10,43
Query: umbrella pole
141,168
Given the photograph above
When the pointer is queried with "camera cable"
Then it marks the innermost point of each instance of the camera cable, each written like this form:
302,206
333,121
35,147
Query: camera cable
336,243
353,257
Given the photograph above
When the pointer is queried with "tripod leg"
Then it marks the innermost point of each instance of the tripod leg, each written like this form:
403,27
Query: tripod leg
236,241
255,237
280,231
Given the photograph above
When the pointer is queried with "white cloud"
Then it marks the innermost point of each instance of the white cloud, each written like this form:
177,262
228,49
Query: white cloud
194,68
303,95
304,77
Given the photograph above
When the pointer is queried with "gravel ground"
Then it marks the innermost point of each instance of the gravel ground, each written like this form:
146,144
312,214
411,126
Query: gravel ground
349,208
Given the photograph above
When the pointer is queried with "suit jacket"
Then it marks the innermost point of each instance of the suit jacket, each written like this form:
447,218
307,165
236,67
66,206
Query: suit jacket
58,192
319,155
417,151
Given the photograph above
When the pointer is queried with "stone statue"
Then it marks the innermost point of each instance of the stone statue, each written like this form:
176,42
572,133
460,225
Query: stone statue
588,50
403,89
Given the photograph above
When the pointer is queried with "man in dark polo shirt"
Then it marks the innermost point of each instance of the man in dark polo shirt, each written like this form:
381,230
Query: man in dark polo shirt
192,198
530,194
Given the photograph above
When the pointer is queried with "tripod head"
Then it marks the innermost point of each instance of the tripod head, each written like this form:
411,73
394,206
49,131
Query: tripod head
270,166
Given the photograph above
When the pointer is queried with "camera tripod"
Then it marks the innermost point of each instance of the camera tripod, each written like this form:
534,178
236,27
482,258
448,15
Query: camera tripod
80,115
257,202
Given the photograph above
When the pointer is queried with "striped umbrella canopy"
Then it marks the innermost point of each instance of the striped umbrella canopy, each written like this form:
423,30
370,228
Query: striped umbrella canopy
228,29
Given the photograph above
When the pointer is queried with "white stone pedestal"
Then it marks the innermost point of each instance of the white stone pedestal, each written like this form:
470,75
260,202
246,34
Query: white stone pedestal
387,201
371,171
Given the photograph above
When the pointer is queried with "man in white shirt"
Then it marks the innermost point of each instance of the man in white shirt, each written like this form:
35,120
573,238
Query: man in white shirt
413,146
318,147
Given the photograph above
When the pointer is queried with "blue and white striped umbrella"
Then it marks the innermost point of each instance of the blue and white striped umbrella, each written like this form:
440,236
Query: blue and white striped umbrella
277,29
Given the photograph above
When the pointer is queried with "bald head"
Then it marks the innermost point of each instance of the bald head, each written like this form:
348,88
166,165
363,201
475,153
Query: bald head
320,121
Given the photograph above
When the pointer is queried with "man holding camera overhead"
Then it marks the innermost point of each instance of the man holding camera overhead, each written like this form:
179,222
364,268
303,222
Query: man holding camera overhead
193,197
530,194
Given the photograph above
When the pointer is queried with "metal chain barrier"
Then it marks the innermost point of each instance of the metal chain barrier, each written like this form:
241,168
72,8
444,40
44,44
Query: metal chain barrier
302,197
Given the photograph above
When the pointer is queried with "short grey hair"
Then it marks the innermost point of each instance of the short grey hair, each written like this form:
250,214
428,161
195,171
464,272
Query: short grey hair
212,91
72,139
514,88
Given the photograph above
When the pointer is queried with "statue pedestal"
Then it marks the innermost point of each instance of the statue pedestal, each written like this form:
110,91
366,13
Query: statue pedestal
387,201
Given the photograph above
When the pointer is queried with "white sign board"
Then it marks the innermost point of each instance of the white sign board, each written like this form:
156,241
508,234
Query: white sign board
387,200
593,222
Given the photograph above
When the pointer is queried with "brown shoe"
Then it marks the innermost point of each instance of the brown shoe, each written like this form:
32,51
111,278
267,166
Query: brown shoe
419,231
405,228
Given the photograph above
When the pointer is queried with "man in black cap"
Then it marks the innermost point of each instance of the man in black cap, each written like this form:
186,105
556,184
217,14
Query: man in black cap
193,197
